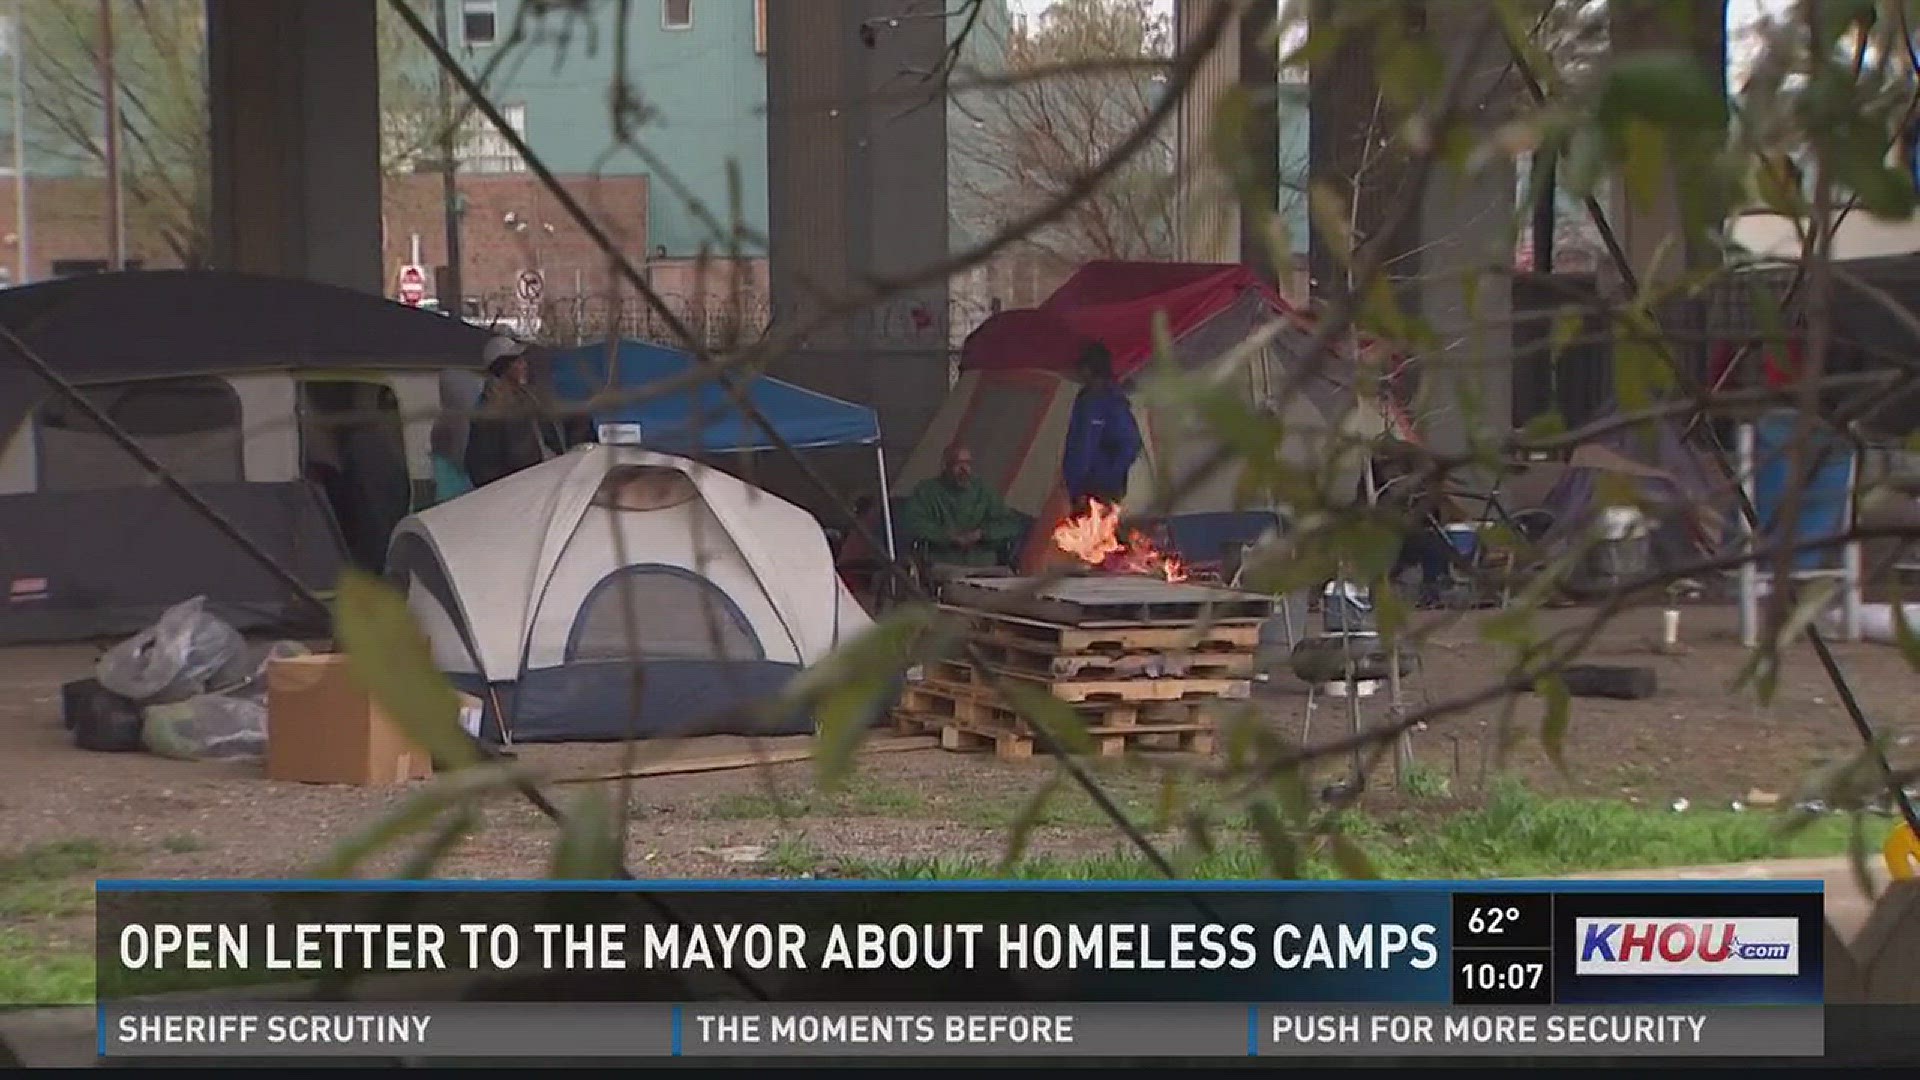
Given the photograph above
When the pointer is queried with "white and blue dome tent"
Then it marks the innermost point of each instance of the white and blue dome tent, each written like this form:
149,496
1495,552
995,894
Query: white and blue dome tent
540,591
702,418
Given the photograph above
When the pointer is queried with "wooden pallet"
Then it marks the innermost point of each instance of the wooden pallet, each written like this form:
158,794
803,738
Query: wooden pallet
968,723
952,675
1040,661
1107,600
1061,639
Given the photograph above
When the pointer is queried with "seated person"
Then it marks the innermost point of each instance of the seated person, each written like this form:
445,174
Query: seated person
959,520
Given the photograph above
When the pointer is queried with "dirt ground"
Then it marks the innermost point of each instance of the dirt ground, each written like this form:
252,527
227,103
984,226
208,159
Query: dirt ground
1696,739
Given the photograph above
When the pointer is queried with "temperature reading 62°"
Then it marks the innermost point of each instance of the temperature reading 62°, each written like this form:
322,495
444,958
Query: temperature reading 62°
1492,921
1514,920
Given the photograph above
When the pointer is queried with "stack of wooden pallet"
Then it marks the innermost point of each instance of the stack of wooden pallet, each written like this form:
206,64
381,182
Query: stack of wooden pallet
1142,661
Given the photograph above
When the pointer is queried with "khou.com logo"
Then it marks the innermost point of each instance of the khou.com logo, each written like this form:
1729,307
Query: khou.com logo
1673,946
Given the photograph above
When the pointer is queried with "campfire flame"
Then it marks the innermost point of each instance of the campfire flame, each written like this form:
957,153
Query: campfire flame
1095,539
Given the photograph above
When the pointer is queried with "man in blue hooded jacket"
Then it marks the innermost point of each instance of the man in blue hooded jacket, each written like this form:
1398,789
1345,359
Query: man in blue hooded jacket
1102,438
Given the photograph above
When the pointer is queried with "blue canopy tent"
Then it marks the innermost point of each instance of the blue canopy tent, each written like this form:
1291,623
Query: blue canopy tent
703,418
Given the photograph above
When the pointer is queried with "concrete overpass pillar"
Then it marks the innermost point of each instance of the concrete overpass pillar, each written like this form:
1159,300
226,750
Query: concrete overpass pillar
1698,27
1212,223
857,192
1208,220
295,101
1447,257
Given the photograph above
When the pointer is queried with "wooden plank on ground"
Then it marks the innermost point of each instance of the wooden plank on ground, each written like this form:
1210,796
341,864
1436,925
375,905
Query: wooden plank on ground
746,760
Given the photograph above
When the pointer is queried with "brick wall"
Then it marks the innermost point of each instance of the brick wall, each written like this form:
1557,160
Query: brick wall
493,252
68,217
68,222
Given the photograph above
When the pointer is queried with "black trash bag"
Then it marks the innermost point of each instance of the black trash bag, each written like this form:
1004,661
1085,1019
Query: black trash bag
103,720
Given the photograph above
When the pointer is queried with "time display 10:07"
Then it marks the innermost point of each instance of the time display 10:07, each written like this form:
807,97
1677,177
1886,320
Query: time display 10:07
1485,975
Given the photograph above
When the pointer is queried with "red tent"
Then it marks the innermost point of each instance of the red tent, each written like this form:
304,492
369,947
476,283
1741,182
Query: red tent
1116,303
1017,373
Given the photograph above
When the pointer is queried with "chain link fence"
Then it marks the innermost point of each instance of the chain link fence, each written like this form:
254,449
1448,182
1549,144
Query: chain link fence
718,321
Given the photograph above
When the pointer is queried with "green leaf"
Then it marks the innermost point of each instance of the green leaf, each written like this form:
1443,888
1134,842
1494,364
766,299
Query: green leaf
1820,596
422,863
1166,804
1282,850
1566,326
1031,814
417,813
1636,366
1352,861
1199,829
1512,626
1546,426
848,691
390,658
588,848
1903,634
1668,89
1049,714
1553,726
1390,610
1331,213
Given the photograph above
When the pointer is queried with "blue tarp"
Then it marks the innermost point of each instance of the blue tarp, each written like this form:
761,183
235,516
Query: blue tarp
1826,498
703,417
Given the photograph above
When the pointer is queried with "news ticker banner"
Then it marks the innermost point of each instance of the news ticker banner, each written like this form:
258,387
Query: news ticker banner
991,969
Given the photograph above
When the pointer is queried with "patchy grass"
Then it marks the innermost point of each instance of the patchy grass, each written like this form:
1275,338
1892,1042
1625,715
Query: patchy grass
793,856
31,975
43,890
48,862
1517,834
869,800
183,844
1425,783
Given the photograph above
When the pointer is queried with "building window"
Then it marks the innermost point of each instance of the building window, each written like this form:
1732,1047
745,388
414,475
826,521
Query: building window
484,150
760,27
479,22
676,14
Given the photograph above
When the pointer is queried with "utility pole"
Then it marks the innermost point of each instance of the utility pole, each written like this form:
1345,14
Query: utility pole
452,296
23,228
110,93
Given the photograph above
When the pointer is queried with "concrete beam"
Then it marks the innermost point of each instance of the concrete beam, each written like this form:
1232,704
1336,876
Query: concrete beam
1653,234
1207,223
1444,258
1214,220
857,183
294,92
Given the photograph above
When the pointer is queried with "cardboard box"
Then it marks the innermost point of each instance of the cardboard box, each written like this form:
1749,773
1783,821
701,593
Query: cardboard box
323,729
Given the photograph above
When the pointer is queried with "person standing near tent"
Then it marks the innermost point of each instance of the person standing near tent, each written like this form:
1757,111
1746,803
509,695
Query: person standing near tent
1102,439
961,521
450,479
515,427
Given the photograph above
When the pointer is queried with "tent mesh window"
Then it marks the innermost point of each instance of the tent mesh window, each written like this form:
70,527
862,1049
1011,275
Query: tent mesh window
192,426
676,615
644,487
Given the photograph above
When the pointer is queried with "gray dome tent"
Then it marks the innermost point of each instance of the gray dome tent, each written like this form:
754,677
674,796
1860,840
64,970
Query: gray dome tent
300,411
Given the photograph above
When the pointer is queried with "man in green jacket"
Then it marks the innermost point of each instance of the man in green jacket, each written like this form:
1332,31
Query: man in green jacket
962,521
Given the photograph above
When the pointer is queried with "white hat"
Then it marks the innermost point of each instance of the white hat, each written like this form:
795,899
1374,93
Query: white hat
501,347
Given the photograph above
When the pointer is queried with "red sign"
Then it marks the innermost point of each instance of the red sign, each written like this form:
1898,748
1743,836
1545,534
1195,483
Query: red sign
413,285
